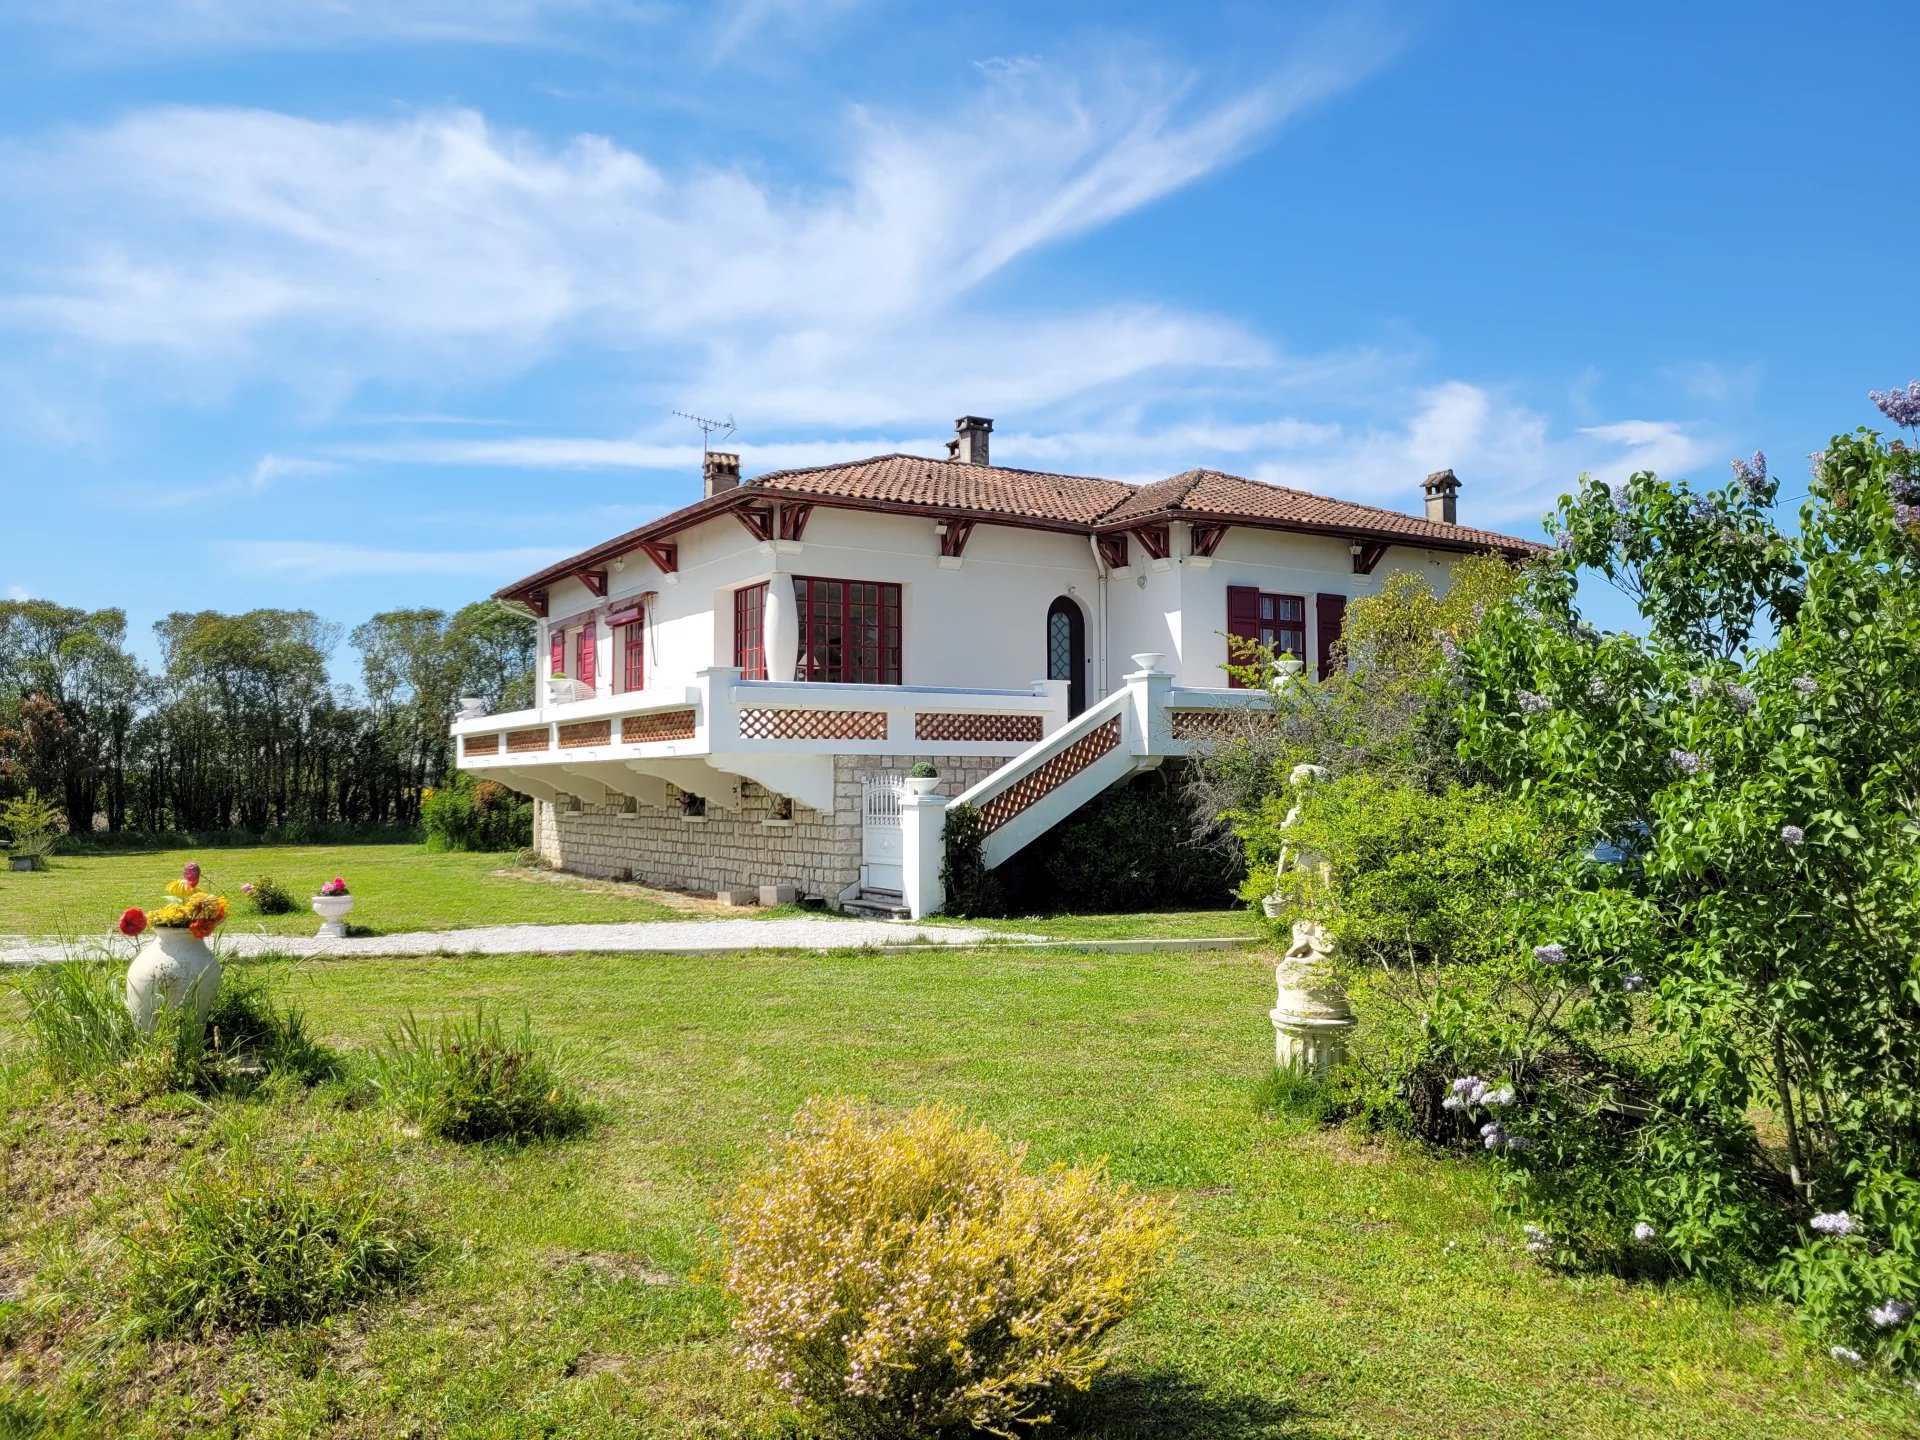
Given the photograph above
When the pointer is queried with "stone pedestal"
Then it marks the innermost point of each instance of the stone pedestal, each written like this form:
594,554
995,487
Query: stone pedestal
1311,1017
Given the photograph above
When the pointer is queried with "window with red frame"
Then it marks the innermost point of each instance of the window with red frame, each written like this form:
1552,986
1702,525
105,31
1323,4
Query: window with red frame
584,648
849,631
750,631
1255,617
633,655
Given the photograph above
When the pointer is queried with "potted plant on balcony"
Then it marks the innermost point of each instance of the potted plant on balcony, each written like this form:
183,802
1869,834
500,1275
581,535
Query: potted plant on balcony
174,964
33,826
922,778
333,904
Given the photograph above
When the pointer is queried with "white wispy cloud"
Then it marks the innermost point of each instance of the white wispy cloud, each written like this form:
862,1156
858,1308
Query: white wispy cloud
329,560
19,592
140,29
258,244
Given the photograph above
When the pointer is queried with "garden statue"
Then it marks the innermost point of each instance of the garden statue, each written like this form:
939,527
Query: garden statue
1311,1017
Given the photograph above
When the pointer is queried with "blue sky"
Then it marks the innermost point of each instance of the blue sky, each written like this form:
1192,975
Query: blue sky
354,305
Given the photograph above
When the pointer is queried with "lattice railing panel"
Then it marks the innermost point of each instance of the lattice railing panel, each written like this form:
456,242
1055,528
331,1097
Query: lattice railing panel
666,725
521,741
582,733
479,744
813,724
978,729
1050,775
1216,724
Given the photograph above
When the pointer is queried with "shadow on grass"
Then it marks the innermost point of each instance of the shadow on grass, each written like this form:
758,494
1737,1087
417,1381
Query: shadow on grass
1167,1405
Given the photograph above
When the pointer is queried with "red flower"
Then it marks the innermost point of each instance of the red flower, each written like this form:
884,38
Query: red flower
133,922
192,874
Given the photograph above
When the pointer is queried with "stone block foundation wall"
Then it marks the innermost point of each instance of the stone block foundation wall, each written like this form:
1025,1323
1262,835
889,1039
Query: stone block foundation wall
733,849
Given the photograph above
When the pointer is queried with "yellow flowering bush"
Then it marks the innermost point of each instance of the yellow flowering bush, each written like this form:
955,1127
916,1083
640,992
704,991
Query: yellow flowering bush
906,1277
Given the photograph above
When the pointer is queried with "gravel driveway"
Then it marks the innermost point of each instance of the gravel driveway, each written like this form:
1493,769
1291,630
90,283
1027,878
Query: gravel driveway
804,932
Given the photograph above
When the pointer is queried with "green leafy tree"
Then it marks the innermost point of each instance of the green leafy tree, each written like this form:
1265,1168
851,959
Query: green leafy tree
1740,931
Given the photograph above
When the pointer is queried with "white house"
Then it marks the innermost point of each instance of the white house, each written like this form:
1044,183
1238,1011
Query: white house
739,687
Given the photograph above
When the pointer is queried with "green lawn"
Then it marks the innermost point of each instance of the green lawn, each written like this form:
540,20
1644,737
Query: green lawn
1146,924
1332,1287
396,888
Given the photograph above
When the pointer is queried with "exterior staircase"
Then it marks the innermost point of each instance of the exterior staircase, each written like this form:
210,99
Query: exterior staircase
1136,728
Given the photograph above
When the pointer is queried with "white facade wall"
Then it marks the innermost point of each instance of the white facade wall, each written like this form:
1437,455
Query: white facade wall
981,624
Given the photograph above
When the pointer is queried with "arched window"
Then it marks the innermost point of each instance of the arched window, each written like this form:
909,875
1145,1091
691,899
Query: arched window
1067,651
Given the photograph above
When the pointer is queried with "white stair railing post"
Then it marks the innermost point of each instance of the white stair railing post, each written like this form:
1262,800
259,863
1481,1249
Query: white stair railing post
1149,689
923,847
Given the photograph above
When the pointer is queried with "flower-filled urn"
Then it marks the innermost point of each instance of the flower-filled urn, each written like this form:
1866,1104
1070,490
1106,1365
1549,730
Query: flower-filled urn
174,967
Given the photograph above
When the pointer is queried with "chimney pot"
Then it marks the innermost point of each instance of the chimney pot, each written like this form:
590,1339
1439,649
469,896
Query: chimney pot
721,472
1442,489
969,444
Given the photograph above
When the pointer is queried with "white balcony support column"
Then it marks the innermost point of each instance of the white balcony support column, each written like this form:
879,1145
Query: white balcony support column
1149,689
647,789
696,777
923,831
577,782
716,715
780,631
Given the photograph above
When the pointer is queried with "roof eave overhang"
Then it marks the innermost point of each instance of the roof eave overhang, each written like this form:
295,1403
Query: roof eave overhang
1465,544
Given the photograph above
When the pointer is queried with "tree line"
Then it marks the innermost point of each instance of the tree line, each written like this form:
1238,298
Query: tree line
241,727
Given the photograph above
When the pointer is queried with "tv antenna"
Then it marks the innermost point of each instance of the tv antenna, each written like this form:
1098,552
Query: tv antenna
708,428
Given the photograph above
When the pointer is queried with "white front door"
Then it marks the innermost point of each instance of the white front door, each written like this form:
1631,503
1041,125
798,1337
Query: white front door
880,846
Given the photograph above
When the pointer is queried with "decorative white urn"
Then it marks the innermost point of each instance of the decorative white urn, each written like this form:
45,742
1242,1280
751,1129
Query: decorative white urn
1149,661
333,911
173,968
923,784
1311,1017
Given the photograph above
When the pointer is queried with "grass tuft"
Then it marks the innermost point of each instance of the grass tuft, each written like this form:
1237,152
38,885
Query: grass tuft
78,1022
1292,1092
470,1080
250,1245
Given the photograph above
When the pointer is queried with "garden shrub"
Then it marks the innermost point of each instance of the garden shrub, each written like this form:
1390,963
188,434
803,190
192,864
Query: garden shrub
470,814
970,887
270,897
470,1080
905,1277
252,1245
1134,848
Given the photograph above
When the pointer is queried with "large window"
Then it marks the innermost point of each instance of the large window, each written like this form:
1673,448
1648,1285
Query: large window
849,631
1255,617
750,631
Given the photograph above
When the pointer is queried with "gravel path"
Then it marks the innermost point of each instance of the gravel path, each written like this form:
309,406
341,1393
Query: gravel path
800,933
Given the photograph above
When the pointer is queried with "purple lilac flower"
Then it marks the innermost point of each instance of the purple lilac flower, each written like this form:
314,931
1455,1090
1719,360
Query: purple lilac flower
1633,982
1740,695
1644,1234
1704,508
1846,1356
1563,541
1533,704
1905,487
1752,474
1815,460
1597,688
1696,687
1906,516
1890,1313
1900,406
1519,1142
1538,1241
1493,1135
1793,835
1552,954
1621,498
1687,762
1448,650
1502,1096
1837,1223
1806,684
1622,531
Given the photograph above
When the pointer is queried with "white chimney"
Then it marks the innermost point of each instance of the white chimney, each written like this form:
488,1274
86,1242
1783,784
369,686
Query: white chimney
969,444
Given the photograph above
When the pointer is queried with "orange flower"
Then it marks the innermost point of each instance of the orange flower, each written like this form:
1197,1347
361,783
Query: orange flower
201,929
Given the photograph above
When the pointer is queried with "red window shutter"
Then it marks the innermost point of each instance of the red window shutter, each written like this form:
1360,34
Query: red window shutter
750,631
1330,615
557,653
1243,627
589,641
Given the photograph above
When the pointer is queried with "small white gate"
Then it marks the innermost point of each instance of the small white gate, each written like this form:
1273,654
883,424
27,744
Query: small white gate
880,844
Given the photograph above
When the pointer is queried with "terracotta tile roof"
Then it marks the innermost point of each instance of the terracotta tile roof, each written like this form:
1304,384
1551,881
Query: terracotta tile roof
1081,503
954,485
1214,495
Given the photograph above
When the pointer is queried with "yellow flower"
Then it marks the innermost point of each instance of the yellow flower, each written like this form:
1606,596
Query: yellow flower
179,889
